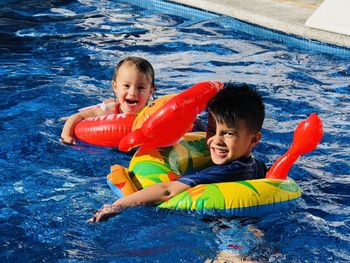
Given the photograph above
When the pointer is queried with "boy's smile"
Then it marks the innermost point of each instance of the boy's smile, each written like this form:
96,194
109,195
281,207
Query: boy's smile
132,88
227,144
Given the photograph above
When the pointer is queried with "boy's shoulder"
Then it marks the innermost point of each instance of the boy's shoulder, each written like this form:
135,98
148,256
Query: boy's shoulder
108,106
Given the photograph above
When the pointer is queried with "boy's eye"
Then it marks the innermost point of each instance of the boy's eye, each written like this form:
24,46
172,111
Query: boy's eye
229,133
211,132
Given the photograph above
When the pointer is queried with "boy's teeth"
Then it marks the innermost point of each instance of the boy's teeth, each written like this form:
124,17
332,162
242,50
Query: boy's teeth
131,101
221,151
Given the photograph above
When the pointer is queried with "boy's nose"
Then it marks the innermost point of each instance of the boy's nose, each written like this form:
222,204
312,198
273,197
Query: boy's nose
217,139
132,91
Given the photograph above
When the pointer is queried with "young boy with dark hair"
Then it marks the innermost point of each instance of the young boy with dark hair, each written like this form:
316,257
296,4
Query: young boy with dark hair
235,117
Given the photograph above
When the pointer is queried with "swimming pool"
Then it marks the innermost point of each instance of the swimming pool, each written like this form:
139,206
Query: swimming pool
58,56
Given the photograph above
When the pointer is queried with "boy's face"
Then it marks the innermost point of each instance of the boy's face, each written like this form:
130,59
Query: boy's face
227,144
132,88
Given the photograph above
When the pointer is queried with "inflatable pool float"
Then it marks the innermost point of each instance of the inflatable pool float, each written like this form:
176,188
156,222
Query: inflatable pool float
106,130
254,198
126,131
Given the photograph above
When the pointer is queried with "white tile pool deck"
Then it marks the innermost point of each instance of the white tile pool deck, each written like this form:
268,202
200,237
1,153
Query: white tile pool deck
287,16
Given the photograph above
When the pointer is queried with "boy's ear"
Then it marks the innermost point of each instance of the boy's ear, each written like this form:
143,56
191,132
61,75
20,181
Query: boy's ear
153,89
114,84
114,87
256,139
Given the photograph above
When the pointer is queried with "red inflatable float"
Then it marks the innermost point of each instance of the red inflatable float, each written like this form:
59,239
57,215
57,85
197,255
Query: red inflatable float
159,124
106,130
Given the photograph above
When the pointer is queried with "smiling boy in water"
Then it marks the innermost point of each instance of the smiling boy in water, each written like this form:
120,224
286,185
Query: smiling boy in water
133,85
236,115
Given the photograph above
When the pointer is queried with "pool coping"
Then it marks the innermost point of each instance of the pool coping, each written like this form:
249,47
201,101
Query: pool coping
281,15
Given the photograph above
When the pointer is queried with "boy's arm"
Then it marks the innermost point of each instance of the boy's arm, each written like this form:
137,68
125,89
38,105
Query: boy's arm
153,194
67,134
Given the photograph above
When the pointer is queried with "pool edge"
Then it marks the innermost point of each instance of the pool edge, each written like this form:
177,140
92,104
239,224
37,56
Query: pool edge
285,16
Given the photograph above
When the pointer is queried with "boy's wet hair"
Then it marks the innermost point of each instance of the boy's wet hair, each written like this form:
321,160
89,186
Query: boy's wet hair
142,65
237,102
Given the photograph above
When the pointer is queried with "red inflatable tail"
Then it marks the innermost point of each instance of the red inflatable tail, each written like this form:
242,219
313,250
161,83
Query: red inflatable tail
307,136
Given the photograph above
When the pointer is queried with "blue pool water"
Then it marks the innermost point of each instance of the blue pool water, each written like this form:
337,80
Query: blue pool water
58,56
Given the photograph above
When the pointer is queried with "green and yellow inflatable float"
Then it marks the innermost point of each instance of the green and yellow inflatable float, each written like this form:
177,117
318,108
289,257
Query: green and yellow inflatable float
242,198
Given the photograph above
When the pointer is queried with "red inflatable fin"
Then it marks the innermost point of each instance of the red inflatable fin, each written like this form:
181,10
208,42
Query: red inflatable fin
307,136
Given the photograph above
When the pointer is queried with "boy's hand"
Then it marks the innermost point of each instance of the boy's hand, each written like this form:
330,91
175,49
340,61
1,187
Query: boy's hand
106,212
67,139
